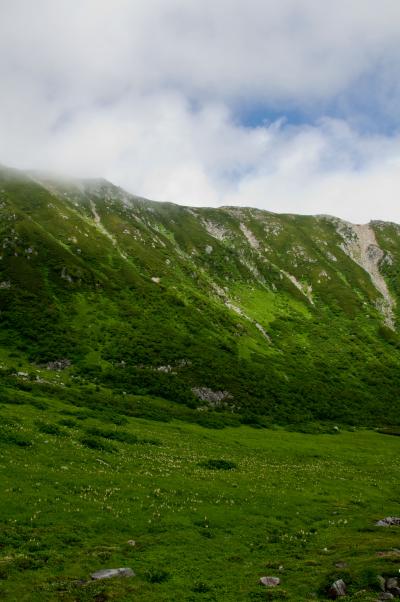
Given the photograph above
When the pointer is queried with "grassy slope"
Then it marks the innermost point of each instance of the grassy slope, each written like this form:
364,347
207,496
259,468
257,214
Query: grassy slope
303,502
83,290
72,497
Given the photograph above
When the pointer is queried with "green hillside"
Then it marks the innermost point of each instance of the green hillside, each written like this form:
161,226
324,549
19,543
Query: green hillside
203,396
198,515
236,314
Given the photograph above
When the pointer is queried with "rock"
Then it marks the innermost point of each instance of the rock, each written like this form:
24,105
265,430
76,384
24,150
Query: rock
389,553
108,573
337,589
391,583
131,542
386,596
341,565
270,581
389,521
80,582
395,591
59,364
382,582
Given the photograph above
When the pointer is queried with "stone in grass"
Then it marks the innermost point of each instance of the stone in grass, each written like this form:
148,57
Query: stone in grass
341,565
389,521
395,591
108,573
270,581
337,589
131,542
386,596
391,583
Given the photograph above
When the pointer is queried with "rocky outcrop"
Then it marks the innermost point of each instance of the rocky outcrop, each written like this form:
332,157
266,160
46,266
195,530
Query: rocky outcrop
337,589
270,581
389,521
109,573
360,244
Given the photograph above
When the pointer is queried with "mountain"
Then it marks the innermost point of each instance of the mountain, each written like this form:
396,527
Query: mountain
237,311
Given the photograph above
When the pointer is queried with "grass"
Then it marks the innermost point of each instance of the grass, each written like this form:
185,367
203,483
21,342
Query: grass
211,511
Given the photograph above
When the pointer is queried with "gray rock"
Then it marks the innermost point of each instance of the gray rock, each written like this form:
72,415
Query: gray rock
131,542
389,521
341,565
391,583
386,596
108,573
270,581
395,591
337,589
382,582
59,364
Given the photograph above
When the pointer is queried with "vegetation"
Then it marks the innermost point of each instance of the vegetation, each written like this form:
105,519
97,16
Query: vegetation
187,393
155,300
291,505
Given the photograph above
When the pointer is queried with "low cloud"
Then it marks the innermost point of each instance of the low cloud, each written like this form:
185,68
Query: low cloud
150,94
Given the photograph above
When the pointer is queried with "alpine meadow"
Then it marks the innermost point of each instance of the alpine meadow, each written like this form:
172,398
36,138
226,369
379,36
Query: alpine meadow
207,399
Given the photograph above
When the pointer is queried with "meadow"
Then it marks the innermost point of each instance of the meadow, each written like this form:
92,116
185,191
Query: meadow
209,511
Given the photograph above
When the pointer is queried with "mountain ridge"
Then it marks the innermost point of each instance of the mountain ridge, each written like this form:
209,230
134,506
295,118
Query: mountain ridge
167,300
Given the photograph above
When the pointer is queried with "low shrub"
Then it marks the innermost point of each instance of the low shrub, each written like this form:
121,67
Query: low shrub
10,437
68,422
218,464
121,436
50,429
97,444
156,576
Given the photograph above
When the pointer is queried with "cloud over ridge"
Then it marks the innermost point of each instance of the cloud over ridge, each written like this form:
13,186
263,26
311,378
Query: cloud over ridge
289,106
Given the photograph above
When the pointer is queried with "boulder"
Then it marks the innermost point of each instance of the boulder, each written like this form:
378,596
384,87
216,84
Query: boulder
395,591
270,581
337,589
391,583
109,573
386,596
389,521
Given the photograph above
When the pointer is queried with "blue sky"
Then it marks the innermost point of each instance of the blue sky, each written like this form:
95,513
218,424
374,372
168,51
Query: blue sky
291,106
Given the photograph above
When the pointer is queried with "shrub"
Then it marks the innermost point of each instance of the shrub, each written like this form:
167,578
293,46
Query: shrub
10,437
201,588
156,576
218,464
121,436
50,429
68,422
98,444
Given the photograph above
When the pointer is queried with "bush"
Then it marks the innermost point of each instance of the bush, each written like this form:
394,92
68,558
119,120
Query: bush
10,437
98,444
50,429
68,422
218,464
156,576
121,436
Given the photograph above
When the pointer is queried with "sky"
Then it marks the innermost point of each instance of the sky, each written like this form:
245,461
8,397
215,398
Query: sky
290,105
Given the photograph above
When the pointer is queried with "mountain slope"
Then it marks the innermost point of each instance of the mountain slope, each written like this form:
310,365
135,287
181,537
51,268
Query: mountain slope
239,310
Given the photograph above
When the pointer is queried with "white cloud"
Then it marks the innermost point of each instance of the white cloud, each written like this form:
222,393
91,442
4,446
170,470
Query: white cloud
148,94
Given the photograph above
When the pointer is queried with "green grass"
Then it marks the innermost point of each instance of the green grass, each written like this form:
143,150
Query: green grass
211,511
